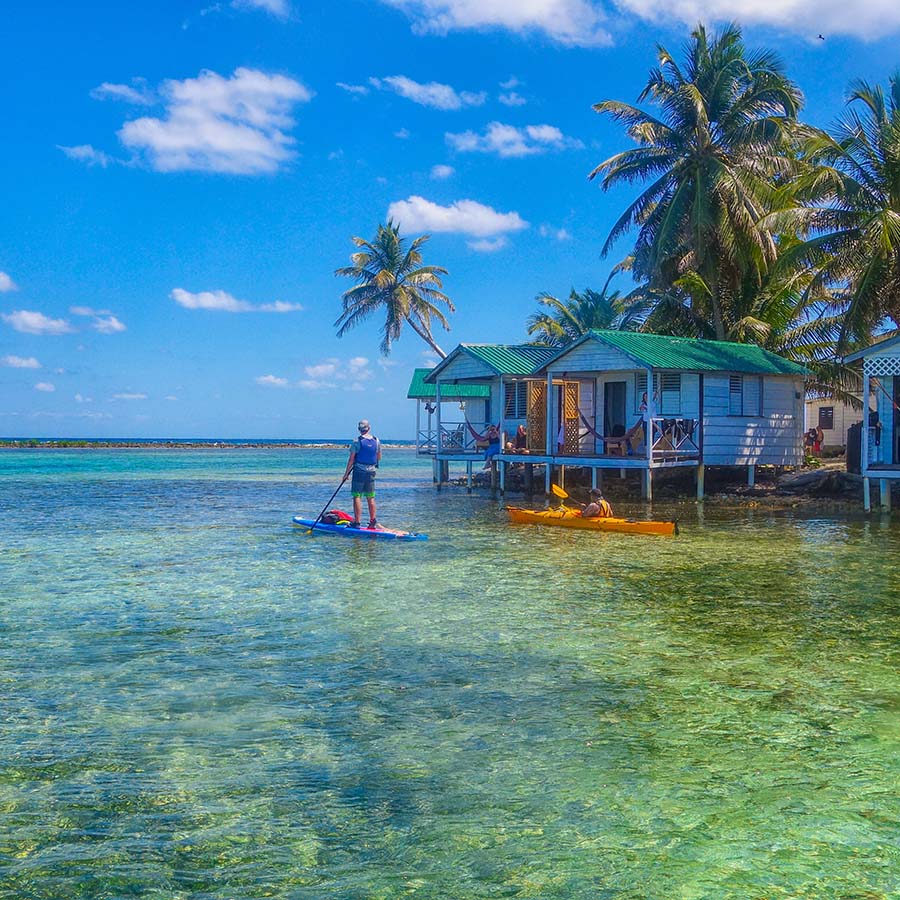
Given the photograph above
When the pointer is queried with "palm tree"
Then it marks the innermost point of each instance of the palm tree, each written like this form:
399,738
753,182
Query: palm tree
710,160
391,279
565,321
851,207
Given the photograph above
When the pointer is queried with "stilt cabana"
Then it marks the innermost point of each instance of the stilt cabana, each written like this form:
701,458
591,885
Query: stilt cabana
880,436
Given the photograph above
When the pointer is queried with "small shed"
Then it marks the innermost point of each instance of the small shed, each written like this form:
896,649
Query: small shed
880,438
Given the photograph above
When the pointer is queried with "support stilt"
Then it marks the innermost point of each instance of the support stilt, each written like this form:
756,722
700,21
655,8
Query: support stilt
751,476
647,484
493,478
867,495
884,493
594,472
701,478
502,477
548,474
529,479
562,477
469,477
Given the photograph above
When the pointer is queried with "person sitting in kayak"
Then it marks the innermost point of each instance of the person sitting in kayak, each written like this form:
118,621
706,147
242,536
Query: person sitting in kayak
365,455
598,508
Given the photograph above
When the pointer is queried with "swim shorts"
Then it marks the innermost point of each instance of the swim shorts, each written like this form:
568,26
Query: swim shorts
363,483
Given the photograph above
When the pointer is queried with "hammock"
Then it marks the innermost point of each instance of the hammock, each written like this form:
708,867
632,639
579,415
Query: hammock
621,439
480,437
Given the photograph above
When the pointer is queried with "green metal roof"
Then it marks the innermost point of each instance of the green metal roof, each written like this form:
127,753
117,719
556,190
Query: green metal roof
419,389
503,359
659,351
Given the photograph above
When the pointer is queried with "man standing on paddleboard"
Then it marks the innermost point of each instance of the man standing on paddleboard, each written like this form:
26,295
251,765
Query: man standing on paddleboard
365,454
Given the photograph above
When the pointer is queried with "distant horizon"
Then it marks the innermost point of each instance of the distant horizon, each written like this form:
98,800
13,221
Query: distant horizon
202,440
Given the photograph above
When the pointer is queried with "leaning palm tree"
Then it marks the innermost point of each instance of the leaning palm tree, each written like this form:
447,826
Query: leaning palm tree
392,280
564,321
851,211
710,160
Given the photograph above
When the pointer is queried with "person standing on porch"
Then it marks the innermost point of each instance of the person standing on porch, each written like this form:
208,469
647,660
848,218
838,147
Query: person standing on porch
365,455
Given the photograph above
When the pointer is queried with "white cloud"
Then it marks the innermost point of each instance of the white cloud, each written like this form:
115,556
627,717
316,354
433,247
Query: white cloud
869,20
137,92
36,323
222,301
45,387
80,398
433,94
510,83
20,362
512,99
462,217
359,90
332,373
128,396
278,8
402,133
559,234
88,311
170,397
214,124
271,381
108,325
510,141
571,22
87,154
7,284
441,172
310,384
489,245
321,370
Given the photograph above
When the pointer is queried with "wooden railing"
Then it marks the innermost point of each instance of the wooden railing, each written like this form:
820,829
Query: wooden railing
455,437
675,438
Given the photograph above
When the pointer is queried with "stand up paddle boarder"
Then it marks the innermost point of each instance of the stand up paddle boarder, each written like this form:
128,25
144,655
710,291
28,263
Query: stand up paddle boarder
365,455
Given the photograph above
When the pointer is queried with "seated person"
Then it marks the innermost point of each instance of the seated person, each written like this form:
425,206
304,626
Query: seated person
598,508
492,435
521,442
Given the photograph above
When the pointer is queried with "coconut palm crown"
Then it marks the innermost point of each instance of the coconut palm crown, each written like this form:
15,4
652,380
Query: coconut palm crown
850,205
392,280
709,161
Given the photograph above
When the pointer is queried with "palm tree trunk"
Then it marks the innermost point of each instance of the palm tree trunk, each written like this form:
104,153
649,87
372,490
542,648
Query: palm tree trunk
425,334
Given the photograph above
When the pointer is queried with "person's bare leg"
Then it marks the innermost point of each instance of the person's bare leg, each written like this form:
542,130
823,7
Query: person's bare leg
372,517
357,508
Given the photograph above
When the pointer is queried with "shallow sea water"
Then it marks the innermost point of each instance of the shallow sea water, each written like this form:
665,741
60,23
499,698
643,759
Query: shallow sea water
199,701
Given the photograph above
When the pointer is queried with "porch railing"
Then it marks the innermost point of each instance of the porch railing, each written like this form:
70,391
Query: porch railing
426,442
876,445
674,439
456,437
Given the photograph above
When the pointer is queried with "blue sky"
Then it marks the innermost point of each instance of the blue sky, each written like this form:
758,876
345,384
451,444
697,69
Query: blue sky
180,181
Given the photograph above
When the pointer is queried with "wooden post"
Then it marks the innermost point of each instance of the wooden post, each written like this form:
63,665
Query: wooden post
867,495
594,472
529,479
418,425
884,493
502,477
493,478
502,416
437,420
548,473
434,469
469,477
751,476
562,477
647,484
649,415
701,477
864,435
551,434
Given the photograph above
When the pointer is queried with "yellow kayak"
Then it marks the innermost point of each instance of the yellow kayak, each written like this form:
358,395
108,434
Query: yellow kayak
570,518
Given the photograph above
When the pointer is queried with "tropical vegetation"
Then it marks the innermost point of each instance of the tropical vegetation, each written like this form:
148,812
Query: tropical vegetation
391,280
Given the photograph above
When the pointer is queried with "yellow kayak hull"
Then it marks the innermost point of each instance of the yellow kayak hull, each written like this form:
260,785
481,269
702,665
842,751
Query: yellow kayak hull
570,519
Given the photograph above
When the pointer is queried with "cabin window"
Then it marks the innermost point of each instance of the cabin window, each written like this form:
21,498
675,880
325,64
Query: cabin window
826,418
516,400
666,390
745,395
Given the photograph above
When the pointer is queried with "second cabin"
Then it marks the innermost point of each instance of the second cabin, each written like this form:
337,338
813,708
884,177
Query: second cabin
620,400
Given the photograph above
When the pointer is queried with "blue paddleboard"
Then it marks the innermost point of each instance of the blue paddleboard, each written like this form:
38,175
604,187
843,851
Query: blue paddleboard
384,534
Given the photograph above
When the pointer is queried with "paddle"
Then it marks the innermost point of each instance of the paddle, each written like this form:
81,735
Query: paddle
325,508
559,492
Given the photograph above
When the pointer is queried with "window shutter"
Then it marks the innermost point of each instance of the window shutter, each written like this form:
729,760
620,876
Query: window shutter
640,387
753,396
736,395
670,394
826,418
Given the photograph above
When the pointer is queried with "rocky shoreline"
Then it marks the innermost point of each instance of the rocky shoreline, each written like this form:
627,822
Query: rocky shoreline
51,444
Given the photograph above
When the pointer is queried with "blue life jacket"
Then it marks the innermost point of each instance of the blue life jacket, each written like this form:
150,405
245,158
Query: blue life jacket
367,454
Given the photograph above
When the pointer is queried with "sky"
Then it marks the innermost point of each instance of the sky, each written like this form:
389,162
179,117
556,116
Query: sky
179,182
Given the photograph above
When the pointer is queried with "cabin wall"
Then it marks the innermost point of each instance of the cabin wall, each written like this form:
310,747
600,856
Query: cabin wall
774,438
887,417
591,356
465,366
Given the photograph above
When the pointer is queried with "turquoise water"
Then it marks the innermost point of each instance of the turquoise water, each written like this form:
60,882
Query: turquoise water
198,701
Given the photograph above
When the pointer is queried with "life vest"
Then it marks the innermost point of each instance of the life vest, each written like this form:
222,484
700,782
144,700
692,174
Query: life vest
367,454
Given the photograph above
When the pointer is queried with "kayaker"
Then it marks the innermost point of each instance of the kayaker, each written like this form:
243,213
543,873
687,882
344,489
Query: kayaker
598,508
365,455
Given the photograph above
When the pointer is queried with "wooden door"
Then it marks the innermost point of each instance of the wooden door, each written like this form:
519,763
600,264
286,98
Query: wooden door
537,416
570,422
